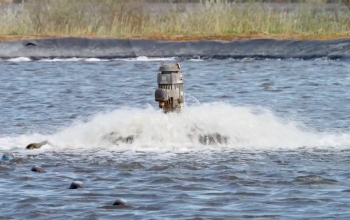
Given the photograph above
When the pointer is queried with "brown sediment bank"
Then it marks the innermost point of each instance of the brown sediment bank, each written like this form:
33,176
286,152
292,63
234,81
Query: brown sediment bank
9,38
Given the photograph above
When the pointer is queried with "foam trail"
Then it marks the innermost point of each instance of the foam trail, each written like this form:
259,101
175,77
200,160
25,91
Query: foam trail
144,58
95,60
19,59
20,142
160,132
73,59
197,60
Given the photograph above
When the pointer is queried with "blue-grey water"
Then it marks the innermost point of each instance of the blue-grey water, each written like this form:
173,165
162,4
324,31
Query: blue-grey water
287,157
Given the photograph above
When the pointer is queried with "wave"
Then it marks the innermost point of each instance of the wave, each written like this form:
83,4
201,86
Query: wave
19,59
149,59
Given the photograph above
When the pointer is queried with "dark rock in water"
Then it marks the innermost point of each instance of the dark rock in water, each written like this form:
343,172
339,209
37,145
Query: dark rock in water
38,169
205,139
36,145
120,202
215,138
7,157
128,140
76,185
116,139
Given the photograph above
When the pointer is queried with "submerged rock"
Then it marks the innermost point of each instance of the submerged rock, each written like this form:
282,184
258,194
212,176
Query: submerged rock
7,157
205,139
116,138
38,169
215,138
36,145
120,202
76,185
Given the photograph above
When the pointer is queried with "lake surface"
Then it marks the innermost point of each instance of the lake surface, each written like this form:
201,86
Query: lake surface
287,157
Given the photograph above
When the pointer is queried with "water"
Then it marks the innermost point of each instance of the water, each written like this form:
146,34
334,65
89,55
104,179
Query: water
287,156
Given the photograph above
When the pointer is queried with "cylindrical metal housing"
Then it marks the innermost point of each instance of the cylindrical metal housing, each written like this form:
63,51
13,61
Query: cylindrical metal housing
170,93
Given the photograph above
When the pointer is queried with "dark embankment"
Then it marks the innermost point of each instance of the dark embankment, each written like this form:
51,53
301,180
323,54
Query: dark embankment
129,48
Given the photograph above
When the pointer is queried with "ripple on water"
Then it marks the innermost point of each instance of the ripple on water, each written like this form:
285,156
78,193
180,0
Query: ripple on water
228,177
163,180
130,166
264,173
314,179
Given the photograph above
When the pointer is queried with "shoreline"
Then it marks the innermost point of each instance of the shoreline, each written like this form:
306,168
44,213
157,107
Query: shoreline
39,47
168,37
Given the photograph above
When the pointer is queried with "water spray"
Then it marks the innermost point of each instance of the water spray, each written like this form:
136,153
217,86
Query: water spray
170,96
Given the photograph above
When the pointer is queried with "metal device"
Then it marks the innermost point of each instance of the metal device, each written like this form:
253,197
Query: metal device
170,92
170,95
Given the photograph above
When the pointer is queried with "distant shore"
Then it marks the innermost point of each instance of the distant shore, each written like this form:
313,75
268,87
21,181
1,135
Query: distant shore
133,19
112,48
220,29
10,38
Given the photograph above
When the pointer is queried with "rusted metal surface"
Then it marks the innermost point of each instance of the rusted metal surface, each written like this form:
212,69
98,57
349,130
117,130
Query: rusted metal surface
170,94
165,68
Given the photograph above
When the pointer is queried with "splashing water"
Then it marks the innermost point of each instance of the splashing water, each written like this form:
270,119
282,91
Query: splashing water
189,99
160,132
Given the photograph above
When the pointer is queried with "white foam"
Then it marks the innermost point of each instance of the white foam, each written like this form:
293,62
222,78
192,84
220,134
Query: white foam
19,59
158,132
92,59
95,60
147,59
196,60
73,59
140,58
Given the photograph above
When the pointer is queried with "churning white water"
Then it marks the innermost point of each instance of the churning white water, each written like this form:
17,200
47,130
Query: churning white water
247,128
125,89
